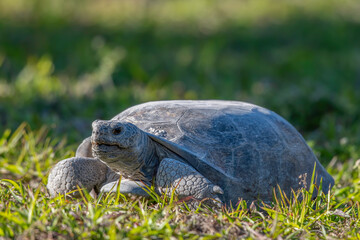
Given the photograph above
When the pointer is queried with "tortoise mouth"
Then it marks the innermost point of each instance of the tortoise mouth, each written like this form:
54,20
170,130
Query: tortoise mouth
105,145
106,152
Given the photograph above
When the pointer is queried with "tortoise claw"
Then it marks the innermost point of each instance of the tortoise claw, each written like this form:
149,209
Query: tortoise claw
217,190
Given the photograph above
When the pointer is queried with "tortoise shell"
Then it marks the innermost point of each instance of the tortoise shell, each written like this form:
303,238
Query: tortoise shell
249,145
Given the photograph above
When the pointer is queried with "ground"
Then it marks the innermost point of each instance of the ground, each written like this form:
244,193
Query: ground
64,64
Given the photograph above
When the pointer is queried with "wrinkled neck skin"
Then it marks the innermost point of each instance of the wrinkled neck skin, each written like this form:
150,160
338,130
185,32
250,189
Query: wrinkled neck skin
149,158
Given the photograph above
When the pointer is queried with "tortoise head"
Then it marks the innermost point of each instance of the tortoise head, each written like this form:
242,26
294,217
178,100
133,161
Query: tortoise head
121,145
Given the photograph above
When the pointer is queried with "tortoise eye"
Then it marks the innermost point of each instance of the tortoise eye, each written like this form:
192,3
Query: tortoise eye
117,131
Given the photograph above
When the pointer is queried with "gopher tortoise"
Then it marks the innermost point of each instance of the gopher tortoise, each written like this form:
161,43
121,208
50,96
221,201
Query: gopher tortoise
216,151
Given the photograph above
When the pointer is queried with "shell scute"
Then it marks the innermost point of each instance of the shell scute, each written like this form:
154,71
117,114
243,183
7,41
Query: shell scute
209,127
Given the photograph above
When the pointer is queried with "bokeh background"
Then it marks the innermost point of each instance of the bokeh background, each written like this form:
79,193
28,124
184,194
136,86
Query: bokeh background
65,63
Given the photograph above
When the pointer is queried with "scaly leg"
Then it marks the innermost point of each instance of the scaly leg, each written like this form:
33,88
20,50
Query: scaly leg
187,182
68,174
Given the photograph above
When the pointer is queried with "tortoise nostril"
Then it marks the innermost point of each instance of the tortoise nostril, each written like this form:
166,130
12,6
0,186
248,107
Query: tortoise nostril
117,131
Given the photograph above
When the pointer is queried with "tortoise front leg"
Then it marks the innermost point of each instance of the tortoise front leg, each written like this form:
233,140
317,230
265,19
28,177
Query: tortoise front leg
85,148
187,182
69,174
126,187
81,171
90,174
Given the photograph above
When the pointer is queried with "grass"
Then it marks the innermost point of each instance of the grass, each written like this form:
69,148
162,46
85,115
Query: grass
63,65
27,210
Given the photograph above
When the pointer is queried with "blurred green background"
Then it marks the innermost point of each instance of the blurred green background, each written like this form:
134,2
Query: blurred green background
66,63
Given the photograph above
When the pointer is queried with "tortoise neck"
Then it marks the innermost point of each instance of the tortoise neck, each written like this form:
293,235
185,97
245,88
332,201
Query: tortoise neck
149,158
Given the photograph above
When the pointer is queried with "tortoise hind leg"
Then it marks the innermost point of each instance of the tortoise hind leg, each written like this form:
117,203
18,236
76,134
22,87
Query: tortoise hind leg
187,182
